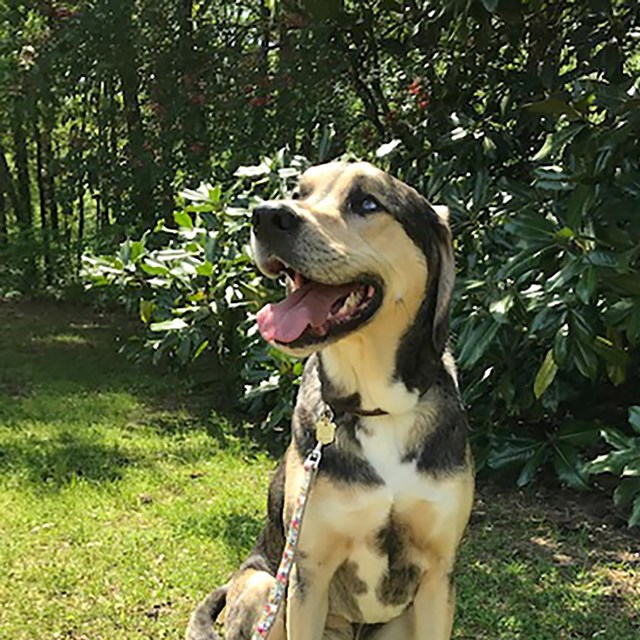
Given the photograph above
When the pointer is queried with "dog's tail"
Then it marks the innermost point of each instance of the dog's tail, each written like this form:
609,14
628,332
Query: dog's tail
202,619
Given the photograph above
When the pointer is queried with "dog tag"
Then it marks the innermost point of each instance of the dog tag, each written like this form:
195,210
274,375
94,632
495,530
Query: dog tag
325,430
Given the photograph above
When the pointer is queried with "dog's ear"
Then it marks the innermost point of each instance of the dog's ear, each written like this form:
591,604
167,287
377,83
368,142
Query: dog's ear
444,278
419,355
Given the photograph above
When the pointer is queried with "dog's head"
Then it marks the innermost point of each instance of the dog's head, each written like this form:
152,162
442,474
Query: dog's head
364,254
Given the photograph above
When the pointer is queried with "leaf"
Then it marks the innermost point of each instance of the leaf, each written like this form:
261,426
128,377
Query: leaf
634,518
501,307
546,374
490,5
569,467
384,150
545,150
532,466
551,106
198,352
625,491
579,433
585,360
146,310
634,418
616,438
183,220
478,342
587,285
512,450
628,283
205,269
169,325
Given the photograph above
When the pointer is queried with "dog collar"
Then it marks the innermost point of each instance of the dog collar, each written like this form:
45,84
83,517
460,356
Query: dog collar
343,405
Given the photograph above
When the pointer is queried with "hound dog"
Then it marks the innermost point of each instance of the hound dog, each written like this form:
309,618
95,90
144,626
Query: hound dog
370,271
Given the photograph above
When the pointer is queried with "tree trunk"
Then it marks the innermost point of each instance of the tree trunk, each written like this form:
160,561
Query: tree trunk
80,220
7,183
4,230
24,212
43,200
139,158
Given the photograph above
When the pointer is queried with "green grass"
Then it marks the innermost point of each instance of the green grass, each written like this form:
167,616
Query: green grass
123,500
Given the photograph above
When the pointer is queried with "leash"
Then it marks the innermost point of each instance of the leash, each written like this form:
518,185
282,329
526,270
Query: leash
325,434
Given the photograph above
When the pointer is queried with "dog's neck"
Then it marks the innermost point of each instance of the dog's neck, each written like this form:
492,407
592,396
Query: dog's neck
359,378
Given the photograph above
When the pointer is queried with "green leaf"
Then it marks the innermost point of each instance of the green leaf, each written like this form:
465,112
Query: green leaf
183,220
628,283
146,310
512,450
205,269
169,325
579,433
153,267
551,106
490,5
616,438
532,466
478,342
569,467
625,491
634,518
501,307
198,352
634,418
587,285
545,150
546,374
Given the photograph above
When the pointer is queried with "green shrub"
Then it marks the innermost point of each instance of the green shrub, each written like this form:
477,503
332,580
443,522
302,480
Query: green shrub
194,287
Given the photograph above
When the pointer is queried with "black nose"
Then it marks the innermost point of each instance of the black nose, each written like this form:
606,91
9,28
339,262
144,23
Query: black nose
272,218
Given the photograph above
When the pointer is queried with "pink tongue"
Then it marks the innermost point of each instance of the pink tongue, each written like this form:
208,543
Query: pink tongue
308,305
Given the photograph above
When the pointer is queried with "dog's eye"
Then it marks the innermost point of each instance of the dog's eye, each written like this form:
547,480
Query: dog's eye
368,204
295,195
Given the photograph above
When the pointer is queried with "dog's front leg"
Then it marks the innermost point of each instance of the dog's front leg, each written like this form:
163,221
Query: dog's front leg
308,593
434,606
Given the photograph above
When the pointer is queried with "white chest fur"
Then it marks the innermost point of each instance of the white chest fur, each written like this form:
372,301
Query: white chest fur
357,512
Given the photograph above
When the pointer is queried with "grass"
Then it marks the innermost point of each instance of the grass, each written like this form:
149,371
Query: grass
123,500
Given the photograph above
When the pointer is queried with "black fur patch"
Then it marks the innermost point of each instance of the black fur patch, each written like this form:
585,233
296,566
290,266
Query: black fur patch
337,463
400,581
345,586
445,448
420,350
266,553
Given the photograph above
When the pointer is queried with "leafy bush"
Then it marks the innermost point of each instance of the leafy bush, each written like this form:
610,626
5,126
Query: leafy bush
523,118
623,461
195,288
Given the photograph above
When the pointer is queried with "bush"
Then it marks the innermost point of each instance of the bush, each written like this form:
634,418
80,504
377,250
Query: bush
194,287
523,118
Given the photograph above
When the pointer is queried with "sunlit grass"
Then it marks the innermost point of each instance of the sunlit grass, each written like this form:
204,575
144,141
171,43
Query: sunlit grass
122,503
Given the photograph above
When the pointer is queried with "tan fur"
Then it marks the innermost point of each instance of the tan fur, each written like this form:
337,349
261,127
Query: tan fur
342,519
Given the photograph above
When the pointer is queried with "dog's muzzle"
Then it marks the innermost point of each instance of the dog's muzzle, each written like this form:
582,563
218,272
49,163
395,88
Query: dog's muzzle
273,225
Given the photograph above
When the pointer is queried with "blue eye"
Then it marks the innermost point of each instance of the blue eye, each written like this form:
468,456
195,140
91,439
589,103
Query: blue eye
368,205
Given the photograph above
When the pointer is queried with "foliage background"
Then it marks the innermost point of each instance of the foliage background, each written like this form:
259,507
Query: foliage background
521,115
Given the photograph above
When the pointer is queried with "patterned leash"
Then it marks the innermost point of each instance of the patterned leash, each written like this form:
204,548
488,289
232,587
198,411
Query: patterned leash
325,433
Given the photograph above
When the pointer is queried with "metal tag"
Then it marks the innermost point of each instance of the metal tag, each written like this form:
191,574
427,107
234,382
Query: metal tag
325,430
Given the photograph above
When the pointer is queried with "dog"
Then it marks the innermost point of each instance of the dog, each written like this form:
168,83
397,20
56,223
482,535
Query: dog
370,271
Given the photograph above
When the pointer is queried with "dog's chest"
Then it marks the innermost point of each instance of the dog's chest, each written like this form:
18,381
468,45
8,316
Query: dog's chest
388,526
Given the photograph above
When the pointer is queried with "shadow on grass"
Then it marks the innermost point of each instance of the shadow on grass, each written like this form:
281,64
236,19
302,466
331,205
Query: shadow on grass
57,462
239,531
539,566
61,376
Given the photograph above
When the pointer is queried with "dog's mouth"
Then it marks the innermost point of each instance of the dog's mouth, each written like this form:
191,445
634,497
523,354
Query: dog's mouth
314,312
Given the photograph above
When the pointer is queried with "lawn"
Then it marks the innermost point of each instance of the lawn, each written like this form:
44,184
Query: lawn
124,498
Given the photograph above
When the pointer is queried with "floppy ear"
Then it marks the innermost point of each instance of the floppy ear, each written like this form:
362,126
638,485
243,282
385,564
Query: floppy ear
419,355
443,279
